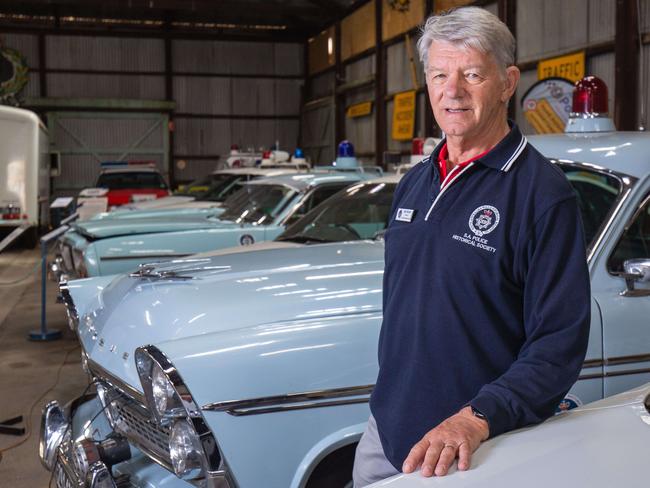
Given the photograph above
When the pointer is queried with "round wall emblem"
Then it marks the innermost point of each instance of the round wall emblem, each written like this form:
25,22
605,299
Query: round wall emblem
484,220
13,74
246,240
400,5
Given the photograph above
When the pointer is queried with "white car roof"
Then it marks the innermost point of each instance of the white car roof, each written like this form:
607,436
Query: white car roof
623,152
255,171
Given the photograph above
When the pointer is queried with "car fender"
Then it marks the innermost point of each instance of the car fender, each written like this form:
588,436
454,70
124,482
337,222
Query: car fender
327,445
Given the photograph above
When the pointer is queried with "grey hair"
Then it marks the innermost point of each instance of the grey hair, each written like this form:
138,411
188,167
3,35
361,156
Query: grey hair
469,27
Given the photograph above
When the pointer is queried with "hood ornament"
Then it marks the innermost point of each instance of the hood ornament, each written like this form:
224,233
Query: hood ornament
179,269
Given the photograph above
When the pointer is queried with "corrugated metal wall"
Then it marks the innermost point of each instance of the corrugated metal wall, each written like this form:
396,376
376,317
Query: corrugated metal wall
556,27
247,93
644,71
218,79
361,130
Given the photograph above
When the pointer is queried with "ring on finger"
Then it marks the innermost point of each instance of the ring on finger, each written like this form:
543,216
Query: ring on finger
449,445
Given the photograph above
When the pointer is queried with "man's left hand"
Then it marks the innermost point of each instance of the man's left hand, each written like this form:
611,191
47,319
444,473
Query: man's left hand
458,436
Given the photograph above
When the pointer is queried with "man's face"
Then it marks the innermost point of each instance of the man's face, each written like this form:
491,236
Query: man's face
467,90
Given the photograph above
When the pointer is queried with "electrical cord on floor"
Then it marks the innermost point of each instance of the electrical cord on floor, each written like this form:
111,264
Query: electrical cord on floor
29,274
101,410
28,429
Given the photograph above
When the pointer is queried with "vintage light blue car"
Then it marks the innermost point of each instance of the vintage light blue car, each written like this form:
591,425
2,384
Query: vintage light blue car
254,368
574,449
203,197
258,212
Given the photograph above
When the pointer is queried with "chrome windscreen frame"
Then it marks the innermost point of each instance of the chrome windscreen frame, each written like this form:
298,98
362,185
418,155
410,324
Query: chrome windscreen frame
627,183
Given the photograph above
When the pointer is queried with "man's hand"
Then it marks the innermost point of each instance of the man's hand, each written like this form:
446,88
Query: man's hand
458,436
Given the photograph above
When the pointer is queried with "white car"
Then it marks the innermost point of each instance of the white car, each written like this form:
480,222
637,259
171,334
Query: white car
600,445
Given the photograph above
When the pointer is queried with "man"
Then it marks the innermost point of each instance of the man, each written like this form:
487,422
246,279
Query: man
486,287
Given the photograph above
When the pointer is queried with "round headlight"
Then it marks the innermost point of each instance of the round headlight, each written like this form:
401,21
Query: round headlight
186,452
162,391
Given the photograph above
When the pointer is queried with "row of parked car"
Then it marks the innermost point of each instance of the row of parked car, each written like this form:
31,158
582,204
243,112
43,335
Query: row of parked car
232,343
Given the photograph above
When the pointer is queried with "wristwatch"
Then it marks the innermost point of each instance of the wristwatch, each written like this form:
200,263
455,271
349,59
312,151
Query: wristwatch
478,413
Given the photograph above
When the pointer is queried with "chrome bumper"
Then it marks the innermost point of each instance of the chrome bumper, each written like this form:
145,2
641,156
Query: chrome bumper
59,452
56,450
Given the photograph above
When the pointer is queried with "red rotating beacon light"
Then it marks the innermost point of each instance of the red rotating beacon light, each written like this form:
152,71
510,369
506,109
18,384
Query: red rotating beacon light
590,96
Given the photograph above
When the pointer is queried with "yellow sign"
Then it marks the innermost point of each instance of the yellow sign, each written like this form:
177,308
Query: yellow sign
359,109
404,115
571,67
544,119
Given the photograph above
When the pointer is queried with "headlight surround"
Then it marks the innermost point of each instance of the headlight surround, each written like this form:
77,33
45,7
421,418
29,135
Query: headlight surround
192,446
186,451
159,391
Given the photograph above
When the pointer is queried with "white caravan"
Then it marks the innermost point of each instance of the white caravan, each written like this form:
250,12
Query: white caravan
24,171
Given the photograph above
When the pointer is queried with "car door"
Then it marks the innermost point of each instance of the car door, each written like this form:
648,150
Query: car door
625,314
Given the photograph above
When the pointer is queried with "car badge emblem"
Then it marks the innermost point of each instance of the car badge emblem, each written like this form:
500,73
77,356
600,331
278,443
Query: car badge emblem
484,220
246,240
405,214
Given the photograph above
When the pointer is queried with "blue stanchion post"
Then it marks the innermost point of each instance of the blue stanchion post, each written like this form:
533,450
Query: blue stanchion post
43,334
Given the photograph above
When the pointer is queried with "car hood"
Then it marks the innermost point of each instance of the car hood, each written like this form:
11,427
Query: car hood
199,296
602,444
181,209
160,202
101,229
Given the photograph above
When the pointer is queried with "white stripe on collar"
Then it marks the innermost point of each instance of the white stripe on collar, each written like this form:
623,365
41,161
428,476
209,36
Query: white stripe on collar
515,155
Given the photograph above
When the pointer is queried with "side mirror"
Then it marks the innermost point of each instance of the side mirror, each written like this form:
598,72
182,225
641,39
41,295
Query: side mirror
636,271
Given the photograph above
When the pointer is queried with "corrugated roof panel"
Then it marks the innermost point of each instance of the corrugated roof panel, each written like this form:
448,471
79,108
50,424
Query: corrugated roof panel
203,136
203,95
288,96
289,59
105,53
361,69
253,96
322,85
602,25
603,66
25,44
148,87
398,68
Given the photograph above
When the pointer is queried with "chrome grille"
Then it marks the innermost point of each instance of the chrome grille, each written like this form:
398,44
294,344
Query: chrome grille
137,424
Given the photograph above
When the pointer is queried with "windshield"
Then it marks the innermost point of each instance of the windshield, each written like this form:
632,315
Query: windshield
257,204
597,193
130,180
358,212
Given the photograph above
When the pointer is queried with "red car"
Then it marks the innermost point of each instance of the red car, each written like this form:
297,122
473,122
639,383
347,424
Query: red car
127,183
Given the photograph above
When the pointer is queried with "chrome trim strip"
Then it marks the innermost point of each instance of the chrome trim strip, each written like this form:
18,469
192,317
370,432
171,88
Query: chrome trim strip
242,412
145,256
101,374
292,401
638,358
610,374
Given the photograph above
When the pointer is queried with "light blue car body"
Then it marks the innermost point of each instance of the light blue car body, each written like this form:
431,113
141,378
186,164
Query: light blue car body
294,328
111,246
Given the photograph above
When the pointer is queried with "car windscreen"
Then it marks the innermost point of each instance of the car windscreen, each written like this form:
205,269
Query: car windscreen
258,204
358,212
131,180
597,193
222,187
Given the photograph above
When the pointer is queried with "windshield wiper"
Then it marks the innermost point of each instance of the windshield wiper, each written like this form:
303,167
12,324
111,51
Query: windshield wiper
303,238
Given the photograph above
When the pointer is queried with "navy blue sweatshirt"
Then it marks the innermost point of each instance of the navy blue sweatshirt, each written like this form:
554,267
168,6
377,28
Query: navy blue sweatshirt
486,296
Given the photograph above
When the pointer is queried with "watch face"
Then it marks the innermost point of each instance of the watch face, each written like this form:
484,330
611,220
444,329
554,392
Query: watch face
477,413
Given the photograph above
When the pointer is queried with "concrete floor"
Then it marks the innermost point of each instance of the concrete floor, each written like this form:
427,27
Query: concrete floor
28,369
